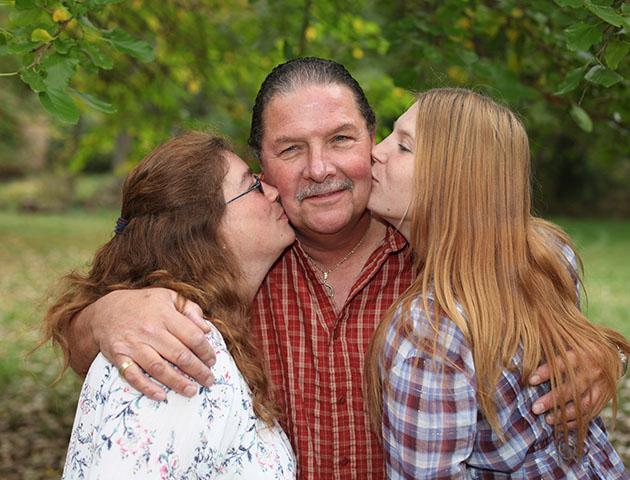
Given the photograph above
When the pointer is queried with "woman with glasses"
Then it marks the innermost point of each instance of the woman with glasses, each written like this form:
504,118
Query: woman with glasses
496,295
197,221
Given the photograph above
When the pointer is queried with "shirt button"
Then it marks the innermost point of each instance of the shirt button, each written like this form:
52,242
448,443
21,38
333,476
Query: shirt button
336,334
344,462
341,400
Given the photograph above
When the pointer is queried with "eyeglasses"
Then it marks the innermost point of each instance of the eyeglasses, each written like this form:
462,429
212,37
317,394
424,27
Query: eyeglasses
257,185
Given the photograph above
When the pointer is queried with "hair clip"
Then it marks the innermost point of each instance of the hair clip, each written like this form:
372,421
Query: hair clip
121,223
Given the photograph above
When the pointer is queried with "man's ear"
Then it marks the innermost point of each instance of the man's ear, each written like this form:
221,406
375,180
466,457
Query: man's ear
261,169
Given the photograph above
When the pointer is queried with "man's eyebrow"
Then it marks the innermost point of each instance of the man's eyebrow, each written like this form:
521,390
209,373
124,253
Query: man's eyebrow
293,139
343,126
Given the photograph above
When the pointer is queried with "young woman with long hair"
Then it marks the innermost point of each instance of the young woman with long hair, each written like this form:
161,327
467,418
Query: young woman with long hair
195,220
497,294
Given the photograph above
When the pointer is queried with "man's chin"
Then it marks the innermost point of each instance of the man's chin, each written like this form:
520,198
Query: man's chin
328,222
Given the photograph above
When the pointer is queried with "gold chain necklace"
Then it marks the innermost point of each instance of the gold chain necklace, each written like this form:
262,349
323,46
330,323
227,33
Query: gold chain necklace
329,289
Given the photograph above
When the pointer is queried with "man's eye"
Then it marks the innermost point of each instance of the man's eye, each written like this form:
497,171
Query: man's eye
292,148
340,138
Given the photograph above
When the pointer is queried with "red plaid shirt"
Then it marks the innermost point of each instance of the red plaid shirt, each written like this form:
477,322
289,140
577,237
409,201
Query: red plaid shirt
316,357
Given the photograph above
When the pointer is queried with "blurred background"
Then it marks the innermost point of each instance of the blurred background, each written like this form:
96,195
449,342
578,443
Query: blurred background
87,89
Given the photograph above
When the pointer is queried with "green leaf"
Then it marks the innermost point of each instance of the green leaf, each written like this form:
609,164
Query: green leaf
85,21
625,8
59,69
95,103
581,118
570,82
27,17
569,3
468,56
581,36
28,59
608,14
33,79
21,47
77,10
98,58
60,104
125,43
602,76
615,51
64,46
24,4
98,5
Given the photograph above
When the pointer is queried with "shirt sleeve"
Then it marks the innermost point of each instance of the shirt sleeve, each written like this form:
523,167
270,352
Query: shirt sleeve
430,407
120,433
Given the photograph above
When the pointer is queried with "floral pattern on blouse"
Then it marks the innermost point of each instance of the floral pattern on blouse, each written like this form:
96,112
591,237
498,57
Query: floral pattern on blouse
120,433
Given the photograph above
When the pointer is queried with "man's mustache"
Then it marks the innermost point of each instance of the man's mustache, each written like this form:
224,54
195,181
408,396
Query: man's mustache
327,186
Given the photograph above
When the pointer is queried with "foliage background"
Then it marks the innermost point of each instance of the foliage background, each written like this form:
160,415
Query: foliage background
562,65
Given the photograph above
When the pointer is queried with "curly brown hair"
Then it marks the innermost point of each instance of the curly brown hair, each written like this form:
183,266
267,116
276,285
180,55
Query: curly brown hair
173,201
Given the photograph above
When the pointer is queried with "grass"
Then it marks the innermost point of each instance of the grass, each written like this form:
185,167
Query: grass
35,420
605,250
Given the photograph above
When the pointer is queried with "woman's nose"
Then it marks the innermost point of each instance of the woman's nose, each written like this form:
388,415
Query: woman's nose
379,153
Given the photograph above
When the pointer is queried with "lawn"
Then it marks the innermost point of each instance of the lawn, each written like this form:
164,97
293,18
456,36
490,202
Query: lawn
35,420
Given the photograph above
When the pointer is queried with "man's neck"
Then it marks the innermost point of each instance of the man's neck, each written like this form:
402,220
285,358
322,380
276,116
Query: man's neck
338,260
327,249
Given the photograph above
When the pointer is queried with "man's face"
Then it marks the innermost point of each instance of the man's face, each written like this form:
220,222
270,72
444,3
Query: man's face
316,152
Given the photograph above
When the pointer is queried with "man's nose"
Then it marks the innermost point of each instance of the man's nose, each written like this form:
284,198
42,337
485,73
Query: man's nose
319,165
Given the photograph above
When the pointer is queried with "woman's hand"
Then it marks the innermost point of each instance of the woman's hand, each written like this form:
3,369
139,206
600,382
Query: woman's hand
144,327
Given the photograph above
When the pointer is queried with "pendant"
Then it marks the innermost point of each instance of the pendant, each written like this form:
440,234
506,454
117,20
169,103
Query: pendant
331,292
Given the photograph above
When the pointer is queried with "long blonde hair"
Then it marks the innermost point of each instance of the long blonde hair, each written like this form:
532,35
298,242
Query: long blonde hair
174,203
478,247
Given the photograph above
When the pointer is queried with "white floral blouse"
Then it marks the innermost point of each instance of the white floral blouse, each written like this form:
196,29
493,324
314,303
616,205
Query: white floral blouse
119,433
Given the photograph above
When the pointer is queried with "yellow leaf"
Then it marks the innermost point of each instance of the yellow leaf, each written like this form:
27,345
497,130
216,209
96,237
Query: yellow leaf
511,34
357,53
517,13
398,92
513,62
193,86
311,33
456,74
463,23
60,15
153,22
40,35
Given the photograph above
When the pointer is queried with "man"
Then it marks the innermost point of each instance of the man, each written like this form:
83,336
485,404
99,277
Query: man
312,130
